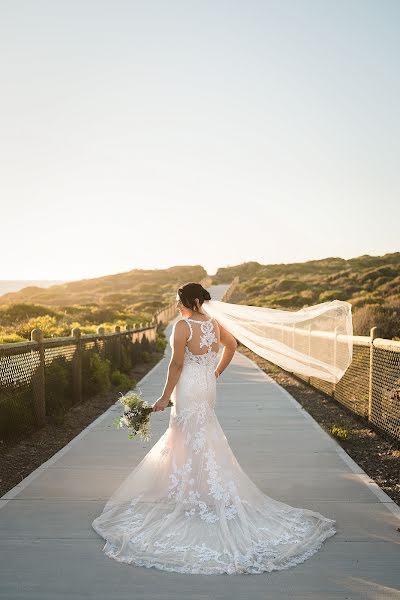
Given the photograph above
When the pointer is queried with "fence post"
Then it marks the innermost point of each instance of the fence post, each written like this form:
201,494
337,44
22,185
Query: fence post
101,331
373,335
77,367
117,356
38,381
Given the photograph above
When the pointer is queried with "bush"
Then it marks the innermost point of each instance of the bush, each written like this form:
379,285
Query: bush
342,433
122,381
160,343
385,317
11,338
127,355
47,323
329,295
16,410
145,344
146,356
96,373
289,285
11,314
58,385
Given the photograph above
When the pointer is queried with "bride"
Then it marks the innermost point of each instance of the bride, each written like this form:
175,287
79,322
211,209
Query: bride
188,506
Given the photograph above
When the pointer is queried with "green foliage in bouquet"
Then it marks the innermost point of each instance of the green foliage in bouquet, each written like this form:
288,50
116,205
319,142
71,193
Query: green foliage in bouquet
136,416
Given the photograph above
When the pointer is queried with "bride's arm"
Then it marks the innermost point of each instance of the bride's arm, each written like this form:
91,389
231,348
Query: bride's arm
179,334
230,345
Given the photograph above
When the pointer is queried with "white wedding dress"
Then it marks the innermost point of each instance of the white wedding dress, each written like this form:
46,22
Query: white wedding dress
188,506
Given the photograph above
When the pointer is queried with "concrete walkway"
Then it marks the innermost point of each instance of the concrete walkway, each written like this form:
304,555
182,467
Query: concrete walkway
48,550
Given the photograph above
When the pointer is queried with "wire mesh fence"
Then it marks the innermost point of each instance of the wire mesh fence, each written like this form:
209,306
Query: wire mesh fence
371,385
46,376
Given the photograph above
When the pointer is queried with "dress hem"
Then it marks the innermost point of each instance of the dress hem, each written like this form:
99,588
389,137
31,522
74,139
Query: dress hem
230,569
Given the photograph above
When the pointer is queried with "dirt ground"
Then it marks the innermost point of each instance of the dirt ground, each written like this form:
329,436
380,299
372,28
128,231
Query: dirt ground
377,456
20,456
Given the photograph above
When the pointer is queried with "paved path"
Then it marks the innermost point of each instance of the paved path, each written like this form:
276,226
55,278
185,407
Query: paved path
48,550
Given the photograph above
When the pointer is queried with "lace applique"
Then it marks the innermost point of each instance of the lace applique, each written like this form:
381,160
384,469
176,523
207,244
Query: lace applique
178,480
217,489
207,339
225,495
208,336
194,414
199,440
204,513
208,358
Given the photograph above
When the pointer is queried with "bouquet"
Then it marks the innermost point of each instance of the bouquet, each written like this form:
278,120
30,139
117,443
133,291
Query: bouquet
136,416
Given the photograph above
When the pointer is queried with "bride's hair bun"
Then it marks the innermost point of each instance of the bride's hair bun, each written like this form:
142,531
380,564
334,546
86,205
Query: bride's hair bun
191,291
206,294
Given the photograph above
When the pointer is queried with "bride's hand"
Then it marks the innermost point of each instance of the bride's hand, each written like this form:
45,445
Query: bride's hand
160,404
216,373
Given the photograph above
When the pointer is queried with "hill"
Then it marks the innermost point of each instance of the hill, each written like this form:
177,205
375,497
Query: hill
130,297
370,283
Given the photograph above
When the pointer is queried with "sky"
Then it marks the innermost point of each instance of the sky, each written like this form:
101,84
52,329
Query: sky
144,135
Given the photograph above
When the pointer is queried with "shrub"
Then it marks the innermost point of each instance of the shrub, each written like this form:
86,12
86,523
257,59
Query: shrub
160,343
16,410
58,387
329,295
10,338
289,285
342,433
146,357
145,344
95,373
127,355
47,323
122,381
385,317
11,314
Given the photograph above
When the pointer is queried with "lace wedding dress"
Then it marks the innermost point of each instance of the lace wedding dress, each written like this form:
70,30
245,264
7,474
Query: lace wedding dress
188,506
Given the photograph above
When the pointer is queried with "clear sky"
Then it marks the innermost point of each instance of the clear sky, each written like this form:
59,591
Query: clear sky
160,133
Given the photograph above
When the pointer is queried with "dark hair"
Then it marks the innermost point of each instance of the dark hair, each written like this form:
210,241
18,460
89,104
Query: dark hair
190,291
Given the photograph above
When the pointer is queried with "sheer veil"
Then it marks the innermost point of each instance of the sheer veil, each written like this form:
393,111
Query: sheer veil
316,341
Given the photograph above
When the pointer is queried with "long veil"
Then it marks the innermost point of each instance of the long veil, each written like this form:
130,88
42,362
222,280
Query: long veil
316,341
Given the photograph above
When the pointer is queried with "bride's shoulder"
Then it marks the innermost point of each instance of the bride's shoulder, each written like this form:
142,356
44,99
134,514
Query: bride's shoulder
179,323
180,331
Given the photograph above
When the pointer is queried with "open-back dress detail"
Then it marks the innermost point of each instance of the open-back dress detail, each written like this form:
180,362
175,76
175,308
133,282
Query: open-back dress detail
188,506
